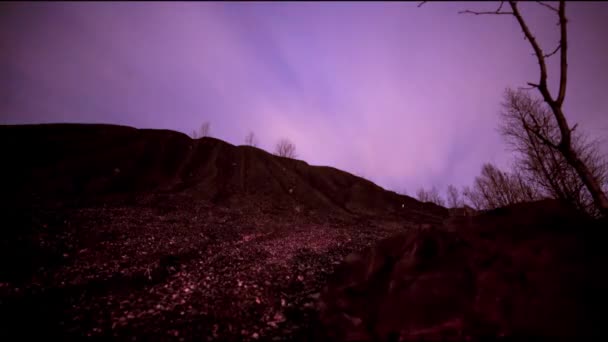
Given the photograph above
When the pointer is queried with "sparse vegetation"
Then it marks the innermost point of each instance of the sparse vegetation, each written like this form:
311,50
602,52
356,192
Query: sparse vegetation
285,148
251,140
453,197
495,188
202,132
430,196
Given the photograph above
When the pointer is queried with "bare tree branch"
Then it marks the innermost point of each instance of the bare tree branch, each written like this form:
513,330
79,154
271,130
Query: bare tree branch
541,137
532,87
564,53
542,85
554,51
548,6
481,13
500,6
573,128
498,11
421,3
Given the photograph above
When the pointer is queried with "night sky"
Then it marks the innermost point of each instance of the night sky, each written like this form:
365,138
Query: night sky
404,96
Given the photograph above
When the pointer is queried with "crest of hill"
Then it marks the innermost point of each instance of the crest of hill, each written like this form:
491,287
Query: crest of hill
97,161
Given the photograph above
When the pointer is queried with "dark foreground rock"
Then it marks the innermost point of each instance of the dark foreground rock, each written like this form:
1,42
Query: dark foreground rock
531,270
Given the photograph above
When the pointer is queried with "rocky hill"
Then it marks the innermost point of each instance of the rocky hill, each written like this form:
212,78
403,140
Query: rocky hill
102,162
118,233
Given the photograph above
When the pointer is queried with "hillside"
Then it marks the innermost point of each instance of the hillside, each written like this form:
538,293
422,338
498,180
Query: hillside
119,233
97,162
113,231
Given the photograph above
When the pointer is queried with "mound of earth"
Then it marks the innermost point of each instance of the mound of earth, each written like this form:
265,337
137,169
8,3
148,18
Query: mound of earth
529,270
107,163
118,233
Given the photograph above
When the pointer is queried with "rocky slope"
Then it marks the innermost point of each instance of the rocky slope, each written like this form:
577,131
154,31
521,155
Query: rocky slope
120,233
95,162
116,232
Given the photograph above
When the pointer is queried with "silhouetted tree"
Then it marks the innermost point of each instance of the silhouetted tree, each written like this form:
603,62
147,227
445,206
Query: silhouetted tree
524,120
495,188
453,197
285,148
250,139
430,196
202,132
563,143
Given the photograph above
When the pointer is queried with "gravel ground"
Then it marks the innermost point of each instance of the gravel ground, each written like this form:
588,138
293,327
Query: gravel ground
192,271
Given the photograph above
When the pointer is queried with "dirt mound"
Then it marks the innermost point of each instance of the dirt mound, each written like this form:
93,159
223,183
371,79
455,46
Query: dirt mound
534,270
116,232
107,163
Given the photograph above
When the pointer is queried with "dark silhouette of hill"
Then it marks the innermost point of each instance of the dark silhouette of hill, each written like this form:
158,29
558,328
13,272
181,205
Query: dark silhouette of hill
114,232
92,162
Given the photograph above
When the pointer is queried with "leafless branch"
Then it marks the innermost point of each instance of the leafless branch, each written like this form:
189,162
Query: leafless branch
421,3
554,51
528,88
498,11
548,6
573,128
540,136
500,6
481,13
542,85
563,72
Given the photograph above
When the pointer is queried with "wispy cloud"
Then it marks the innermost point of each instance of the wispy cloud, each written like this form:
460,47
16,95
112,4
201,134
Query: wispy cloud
406,96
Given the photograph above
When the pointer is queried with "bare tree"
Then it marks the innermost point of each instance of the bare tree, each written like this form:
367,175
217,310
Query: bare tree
430,196
474,198
285,148
495,188
204,131
251,140
422,195
563,144
453,197
543,165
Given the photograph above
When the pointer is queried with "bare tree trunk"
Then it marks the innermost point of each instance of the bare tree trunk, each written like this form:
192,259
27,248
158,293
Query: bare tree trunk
599,197
565,144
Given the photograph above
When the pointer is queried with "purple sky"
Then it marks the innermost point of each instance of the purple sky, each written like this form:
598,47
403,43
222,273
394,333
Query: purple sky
404,96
